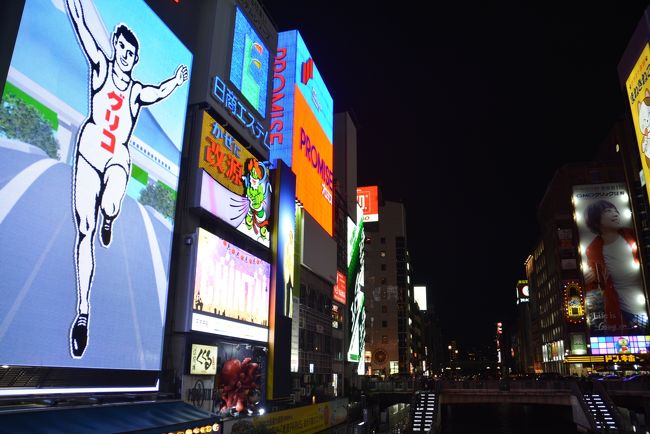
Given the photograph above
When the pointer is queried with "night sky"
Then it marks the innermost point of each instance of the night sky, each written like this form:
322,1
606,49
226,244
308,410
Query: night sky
464,115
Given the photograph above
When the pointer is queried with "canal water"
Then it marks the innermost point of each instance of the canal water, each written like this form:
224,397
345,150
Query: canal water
507,419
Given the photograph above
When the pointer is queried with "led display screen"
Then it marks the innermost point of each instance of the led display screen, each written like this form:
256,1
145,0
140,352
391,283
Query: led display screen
235,186
313,157
312,87
285,252
249,65
620,345
301,130
614,292
368,199
638,94
231,290
88,191
356,241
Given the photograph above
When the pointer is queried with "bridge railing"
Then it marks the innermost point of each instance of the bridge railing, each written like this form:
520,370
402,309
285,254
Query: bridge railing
388,386
504,385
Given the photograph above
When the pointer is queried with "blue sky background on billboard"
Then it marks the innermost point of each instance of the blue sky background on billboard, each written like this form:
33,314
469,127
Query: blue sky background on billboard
474,107
130,274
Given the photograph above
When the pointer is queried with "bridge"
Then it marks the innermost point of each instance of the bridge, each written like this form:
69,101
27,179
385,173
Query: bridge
610,406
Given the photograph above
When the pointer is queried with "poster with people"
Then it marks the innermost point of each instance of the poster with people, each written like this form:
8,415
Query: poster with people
614,292
91,130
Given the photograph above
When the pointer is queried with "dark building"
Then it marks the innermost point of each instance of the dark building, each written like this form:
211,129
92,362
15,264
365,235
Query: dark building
389,297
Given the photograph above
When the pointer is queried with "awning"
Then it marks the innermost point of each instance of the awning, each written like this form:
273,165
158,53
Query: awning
142,418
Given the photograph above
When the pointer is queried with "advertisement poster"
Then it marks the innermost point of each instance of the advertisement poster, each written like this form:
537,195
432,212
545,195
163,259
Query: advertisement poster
241,378
235,186
614,293
355,280
203,360
638,95
368,199
231,290
302,129
91,128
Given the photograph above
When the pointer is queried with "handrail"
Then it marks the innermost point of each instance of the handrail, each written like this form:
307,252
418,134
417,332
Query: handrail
579,394
621,422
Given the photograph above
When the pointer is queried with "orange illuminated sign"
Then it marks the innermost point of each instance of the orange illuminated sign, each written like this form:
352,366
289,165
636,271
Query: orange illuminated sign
312,158
368,199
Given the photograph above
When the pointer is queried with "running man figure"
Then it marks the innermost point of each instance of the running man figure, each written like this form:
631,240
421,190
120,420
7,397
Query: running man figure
103,163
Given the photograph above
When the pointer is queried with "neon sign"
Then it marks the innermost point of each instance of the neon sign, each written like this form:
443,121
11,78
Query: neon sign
245,117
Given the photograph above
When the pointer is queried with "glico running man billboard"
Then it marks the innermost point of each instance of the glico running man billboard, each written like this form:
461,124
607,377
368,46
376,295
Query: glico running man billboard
614,294
302,126
91,127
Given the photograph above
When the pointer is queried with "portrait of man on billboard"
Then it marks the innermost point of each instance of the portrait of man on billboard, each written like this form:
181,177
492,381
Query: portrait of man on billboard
102,164
614,287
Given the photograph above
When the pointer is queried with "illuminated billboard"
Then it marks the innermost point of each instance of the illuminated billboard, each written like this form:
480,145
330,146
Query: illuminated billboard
302,126
620,345
284,252
523,291
249,64
93,113
356,242
231,290
614,293
235,186
420,296
638,93
340,288
368,199
574,306
203,360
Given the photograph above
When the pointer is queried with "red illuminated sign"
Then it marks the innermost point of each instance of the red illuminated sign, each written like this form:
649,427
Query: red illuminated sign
339,288
368,199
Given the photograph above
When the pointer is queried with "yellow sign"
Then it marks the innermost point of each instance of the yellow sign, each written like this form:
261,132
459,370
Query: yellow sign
203,360
301,420
621,358
637,87
611,358
222,156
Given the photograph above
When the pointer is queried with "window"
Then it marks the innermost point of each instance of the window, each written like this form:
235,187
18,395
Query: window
384,339
382,240
384,308
383,267
383,280
384,323
382,253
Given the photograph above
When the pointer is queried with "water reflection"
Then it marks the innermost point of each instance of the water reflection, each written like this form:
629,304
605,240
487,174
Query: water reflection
507,419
